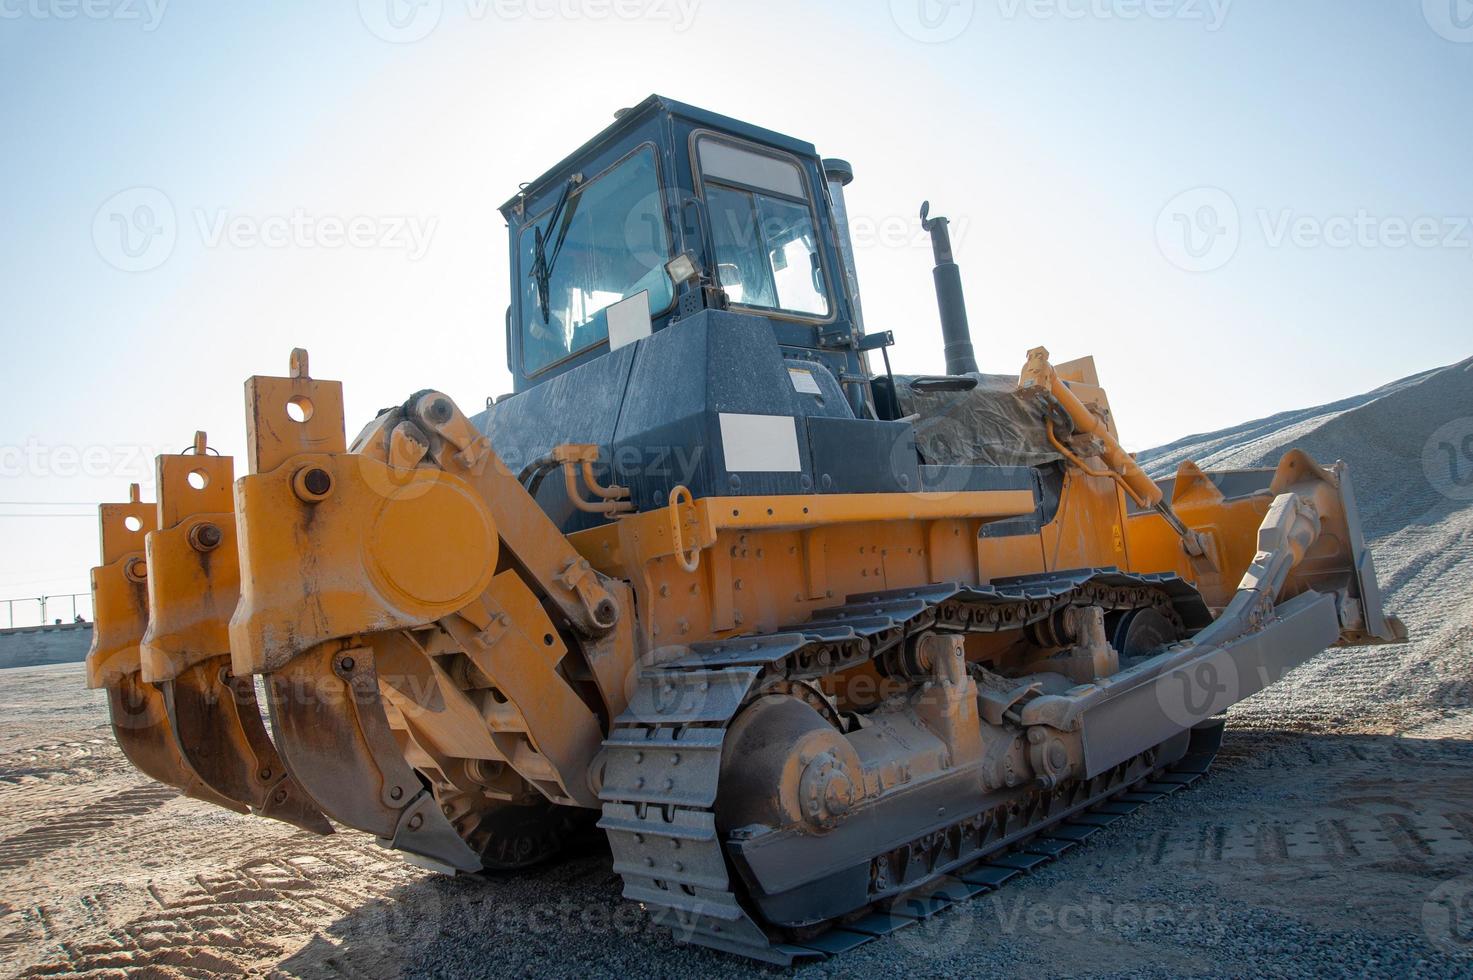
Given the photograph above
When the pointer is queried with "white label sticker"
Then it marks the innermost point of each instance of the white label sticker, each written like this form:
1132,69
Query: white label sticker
629,320
803,381
760,443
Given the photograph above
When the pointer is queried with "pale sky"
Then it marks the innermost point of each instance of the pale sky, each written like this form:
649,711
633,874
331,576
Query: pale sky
1237,206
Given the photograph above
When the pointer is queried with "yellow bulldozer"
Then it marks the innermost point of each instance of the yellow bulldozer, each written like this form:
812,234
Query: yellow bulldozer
822,649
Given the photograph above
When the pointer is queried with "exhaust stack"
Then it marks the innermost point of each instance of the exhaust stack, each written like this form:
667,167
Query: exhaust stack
956,332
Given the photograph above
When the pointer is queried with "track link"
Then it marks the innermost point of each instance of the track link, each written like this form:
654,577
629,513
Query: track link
663,757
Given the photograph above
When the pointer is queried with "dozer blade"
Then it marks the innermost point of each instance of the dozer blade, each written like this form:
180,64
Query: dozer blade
120,612
330,724
213,721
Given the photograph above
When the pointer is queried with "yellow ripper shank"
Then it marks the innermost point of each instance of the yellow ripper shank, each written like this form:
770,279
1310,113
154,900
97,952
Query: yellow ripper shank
140,718
193,585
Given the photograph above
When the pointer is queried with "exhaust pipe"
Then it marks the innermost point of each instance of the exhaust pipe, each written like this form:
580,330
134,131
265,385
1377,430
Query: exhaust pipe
956,332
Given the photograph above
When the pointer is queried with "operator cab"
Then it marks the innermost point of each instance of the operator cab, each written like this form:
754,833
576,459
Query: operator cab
676,210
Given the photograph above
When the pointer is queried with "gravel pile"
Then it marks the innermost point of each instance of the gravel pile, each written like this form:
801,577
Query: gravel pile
1410,450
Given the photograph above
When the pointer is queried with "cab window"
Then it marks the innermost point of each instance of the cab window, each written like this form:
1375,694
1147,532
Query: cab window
606,241
762,229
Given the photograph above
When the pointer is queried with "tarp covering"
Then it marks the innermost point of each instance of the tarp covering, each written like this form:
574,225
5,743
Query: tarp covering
991,425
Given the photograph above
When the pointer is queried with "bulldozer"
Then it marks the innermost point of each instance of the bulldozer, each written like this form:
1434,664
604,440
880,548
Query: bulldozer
820,648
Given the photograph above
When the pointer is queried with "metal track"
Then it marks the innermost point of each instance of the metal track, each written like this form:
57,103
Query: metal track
663,756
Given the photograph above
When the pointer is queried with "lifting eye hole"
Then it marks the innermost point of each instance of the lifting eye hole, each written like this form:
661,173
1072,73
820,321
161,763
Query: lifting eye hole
299,408
198,479
133,524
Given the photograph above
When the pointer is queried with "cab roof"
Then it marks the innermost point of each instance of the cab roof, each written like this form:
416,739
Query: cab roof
633,118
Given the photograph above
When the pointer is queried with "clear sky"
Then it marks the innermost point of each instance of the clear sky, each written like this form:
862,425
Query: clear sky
1238,206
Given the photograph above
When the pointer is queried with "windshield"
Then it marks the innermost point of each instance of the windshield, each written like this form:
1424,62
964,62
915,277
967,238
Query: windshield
762,229
614,245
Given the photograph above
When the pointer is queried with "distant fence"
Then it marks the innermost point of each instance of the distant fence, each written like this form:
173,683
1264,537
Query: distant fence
48,609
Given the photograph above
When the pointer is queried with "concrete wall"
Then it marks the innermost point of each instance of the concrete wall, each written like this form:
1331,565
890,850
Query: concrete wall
35,645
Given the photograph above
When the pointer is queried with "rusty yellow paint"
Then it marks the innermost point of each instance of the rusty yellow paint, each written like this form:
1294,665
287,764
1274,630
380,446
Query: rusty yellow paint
119,591
194,571
380,550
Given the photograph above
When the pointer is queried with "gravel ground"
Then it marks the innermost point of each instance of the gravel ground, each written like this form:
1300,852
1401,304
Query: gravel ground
1334,836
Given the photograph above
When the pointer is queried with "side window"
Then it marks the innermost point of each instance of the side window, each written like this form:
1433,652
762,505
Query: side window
762,225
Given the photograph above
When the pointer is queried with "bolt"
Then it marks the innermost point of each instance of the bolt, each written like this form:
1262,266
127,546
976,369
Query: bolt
416,821
280,796
317,482
347,663
397,793
265,775
206,537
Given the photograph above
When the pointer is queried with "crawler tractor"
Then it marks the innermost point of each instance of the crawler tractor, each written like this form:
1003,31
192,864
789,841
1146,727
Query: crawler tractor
820,648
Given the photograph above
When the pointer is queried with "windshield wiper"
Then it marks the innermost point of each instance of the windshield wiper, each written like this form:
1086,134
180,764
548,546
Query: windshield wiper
542,262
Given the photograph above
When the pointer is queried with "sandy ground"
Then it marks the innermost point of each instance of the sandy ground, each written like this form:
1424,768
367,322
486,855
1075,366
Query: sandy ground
1335,834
